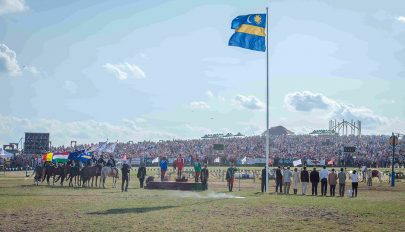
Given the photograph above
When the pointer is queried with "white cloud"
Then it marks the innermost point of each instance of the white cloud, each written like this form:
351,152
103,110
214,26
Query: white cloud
125,70
8,61
209,93
31,69
12,6
198,129
401,19
248,102
200,105
307,101
70,86
86,131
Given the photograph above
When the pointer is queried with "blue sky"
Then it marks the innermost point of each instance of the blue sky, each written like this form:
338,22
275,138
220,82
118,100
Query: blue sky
150,70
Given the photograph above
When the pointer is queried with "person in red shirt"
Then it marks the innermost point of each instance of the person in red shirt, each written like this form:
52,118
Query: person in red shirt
180,165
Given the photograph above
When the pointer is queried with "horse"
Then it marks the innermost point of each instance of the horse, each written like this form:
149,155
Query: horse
59,172
110,172
39,173
96,174
85,175
49,169
73,174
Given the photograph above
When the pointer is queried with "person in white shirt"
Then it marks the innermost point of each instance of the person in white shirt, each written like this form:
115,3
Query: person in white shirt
296,179
355,183
323,175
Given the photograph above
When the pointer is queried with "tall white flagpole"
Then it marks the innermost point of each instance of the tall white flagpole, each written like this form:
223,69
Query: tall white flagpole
267,99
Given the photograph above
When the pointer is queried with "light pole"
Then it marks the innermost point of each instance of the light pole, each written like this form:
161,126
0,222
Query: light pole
393,141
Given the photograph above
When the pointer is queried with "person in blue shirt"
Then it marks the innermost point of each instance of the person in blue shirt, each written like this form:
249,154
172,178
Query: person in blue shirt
163,168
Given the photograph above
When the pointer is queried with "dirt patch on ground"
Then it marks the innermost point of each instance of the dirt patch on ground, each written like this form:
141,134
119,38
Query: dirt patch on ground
29,220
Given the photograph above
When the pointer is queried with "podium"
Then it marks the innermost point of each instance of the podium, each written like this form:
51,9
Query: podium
175,185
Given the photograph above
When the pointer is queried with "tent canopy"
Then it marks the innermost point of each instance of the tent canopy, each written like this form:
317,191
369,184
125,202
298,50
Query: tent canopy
5,154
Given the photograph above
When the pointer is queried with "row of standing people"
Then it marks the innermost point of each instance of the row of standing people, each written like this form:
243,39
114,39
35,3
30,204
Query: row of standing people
286,177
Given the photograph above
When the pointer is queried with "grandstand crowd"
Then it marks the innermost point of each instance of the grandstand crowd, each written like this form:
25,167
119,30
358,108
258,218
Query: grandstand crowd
371,150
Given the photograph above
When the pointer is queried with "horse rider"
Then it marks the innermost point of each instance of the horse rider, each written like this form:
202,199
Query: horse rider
93,160
111,162
101,161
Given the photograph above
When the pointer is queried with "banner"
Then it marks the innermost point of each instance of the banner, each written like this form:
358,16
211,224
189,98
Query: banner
75,155
110,148
217,160
315,162
47,157
60,157
297,162
155,160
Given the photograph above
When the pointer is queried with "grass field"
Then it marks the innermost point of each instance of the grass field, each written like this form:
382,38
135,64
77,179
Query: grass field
25,207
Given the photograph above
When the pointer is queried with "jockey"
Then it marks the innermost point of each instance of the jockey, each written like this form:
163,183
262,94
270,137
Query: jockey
111,162
101,161
93,159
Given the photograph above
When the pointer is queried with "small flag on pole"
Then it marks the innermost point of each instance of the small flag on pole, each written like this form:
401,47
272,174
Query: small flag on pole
155,160
249,32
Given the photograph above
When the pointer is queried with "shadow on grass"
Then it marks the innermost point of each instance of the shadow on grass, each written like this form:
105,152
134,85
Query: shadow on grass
131,210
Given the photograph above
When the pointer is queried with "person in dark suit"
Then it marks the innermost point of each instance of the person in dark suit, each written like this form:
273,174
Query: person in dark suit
264,184
279,179
304,180
125,176
204,177
141,175
314,178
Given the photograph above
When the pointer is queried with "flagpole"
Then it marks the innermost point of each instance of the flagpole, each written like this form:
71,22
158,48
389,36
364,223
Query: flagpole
267,99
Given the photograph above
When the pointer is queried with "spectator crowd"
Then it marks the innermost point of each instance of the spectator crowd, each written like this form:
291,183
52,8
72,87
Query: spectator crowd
371,150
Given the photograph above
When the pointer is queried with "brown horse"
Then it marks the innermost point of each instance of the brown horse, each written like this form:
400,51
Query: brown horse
73,173
39,173
60,173
88,173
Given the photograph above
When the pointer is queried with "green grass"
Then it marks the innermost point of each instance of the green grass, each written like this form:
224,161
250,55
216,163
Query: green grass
25,207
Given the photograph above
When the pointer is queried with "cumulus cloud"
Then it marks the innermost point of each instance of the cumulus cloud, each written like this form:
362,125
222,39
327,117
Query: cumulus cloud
12,6
125,70
85,131
401,19
31,69
307,101
248,102
199,105
8,61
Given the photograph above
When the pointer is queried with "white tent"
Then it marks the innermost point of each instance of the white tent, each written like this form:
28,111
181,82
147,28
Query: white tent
4,154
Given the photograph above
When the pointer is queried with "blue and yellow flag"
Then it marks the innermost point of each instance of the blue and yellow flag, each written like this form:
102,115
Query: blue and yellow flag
249,32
